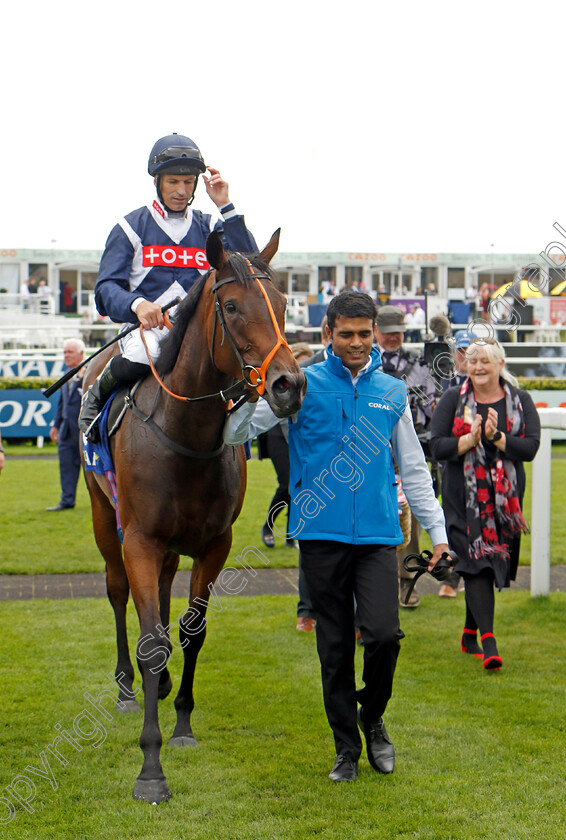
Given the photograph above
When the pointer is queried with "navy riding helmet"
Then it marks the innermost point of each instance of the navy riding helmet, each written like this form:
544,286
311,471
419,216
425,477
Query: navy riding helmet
177,155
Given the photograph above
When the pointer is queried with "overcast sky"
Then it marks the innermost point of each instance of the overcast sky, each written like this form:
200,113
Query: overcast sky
353,126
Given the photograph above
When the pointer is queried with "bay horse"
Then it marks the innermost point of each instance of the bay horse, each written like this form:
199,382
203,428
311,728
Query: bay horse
179,489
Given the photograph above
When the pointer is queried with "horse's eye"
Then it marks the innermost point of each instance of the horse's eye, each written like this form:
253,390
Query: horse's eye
230,308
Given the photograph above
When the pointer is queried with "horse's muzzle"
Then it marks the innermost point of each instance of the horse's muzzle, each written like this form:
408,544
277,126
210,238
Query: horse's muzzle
285,393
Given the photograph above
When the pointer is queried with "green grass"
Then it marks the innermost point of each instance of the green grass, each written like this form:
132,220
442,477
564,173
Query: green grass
33,541
480,756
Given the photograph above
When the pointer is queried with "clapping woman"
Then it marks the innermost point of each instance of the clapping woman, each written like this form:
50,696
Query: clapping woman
483,431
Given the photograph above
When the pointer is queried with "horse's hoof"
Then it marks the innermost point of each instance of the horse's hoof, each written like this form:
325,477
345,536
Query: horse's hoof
152,790
164,688
183,741
125,706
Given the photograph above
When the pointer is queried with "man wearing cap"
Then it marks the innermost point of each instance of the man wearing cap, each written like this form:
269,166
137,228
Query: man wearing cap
390,328
154,255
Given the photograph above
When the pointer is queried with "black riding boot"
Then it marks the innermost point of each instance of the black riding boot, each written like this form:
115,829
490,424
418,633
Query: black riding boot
93,402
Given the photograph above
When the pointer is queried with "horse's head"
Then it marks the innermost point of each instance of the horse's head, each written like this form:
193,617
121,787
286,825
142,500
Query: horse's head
249,338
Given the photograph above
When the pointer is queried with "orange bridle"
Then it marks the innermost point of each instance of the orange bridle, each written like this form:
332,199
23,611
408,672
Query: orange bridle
261,374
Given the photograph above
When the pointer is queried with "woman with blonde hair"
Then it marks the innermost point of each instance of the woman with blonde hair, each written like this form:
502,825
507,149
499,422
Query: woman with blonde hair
483,431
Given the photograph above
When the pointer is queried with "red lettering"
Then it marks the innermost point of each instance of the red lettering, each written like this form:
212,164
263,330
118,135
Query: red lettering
174,256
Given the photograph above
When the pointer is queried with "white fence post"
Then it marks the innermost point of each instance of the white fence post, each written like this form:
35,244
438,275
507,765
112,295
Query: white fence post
540,525
550,418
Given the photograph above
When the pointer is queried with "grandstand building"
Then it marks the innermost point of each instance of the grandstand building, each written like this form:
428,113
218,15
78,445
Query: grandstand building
71,275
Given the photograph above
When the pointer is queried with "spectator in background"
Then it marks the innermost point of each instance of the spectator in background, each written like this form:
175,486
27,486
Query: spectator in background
320,355
458,376
484,430
484,296
67,297
472,300
459,370
301,351
65,429
397,361
45,296
25,293
415,321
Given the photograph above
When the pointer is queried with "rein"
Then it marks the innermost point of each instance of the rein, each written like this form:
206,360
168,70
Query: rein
234,391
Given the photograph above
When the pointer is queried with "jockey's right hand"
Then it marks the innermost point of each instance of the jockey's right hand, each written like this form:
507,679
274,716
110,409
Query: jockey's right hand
150,315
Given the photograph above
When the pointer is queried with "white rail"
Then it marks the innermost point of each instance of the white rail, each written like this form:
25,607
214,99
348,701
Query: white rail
550,418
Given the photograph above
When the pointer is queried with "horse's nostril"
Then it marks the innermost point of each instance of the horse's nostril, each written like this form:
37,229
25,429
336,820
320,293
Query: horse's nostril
281,385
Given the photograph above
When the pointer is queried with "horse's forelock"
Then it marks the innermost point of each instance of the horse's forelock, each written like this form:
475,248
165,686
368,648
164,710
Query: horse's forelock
241,270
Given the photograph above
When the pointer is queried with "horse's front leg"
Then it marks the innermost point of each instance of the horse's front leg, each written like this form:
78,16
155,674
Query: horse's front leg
143,559
170,566
192,632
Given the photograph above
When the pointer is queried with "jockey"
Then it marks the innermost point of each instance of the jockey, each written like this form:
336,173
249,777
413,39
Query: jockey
154,255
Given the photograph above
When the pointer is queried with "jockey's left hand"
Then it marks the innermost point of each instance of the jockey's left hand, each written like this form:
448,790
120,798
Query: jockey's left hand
149,315
216,187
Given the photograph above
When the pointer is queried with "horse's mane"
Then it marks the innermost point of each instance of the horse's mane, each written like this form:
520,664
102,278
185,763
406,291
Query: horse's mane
171,345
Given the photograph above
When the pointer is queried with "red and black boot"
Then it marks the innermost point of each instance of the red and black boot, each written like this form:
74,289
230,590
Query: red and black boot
491,659
470,643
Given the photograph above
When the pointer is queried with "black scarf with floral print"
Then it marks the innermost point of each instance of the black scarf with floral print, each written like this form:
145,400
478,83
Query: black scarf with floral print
493,510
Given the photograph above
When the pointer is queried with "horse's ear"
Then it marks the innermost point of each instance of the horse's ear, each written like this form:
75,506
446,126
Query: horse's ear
271,248
215,253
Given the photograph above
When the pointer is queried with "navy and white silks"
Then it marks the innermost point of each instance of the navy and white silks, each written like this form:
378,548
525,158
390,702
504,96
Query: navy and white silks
342,482
156,256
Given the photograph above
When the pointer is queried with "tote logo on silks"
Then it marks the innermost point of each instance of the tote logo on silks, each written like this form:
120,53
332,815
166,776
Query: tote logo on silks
178,256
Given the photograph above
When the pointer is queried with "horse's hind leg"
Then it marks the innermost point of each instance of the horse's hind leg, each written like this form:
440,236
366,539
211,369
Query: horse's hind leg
117,588
168,571
192,632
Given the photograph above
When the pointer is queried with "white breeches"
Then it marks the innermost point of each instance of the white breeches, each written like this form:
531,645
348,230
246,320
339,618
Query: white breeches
132,346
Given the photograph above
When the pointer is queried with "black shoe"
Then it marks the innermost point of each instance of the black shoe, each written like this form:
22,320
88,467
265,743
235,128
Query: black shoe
267,536
381,754
345,769
60,506
291,543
